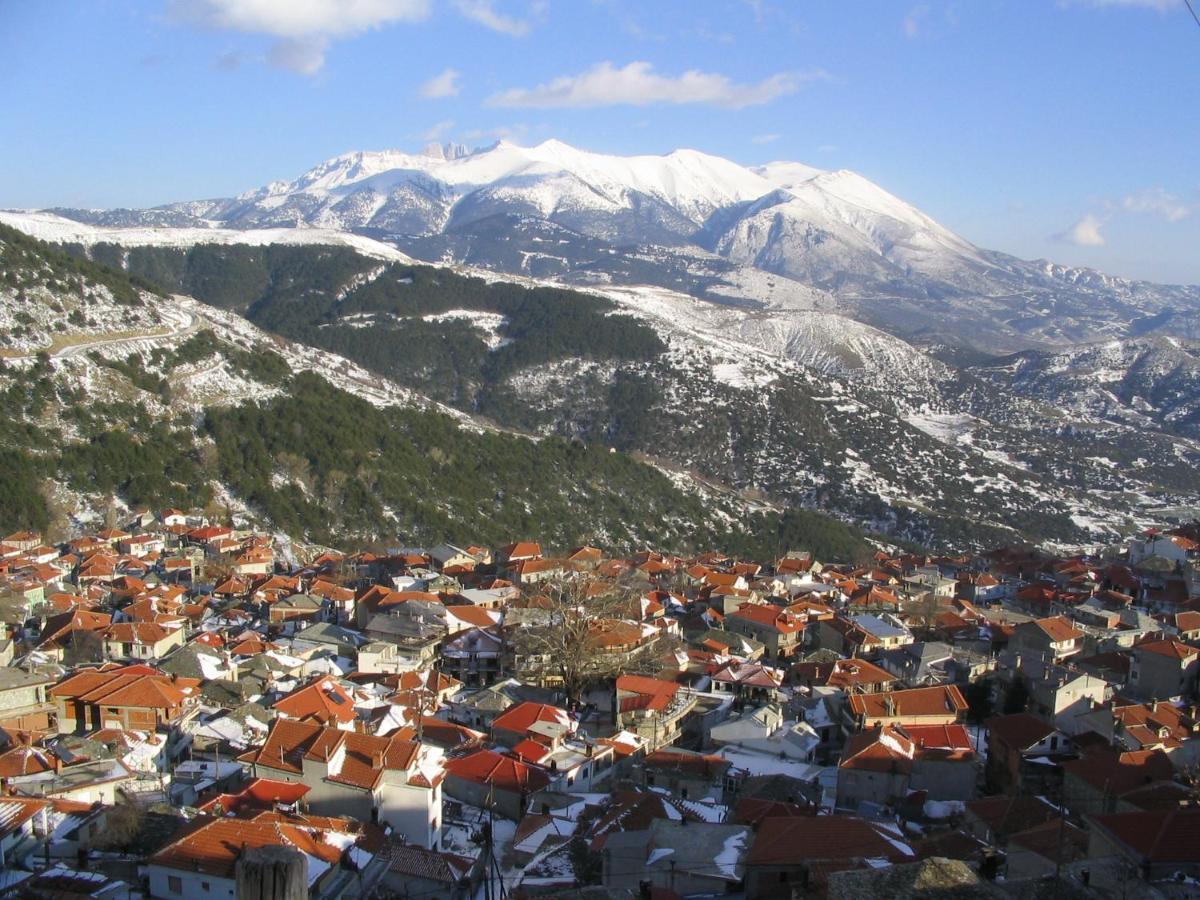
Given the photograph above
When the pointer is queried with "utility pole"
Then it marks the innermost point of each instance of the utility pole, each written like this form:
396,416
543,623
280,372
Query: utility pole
491,866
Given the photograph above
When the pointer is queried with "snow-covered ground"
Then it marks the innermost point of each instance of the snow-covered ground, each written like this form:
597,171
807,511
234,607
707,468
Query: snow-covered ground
49,227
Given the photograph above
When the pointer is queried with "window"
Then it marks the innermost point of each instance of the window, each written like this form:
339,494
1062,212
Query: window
174,884
1054,743
204,886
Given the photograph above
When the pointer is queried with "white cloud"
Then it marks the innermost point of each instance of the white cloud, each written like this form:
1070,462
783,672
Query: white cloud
764,138
637,84
438,131
484,13
502,132
912,21
1160,5
303,55
299,18
1085,232
1157,201
302,28
444,84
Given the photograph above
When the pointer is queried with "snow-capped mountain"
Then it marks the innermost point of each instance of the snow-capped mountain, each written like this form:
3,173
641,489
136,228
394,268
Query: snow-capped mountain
830,240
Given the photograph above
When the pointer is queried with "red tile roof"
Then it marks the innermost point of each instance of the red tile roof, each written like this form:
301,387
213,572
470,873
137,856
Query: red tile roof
1019,730
523,716
428,865
1009,814
843,673
16,811
1059,628
657,693
505,773
752,810
131,686
322,700
914,703
1115,773
1169,648
363,757
803,839
884,750
1158,836
774,617
261,793
211,846
705,765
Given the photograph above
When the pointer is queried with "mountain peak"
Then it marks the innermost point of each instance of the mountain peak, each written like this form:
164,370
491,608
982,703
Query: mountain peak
447,151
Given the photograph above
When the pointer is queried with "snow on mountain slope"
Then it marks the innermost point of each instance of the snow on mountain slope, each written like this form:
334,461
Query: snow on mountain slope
821,341
691,182
786,175
1145,382
57,229
837,225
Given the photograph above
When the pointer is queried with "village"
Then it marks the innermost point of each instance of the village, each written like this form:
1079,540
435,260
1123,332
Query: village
177,694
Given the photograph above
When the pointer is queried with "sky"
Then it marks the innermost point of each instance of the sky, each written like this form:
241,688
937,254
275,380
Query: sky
1059,129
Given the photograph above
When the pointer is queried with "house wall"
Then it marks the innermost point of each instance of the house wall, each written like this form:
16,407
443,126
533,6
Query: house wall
1157,677
1022,863
764,882
191,884
944,779
1083,799
405,885
626,869
414,812
19,697
855,786
508,804
1064,704
680,784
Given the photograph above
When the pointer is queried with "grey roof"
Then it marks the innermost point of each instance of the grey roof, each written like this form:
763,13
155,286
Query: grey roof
224,692
184,661
881,628
11,678
404,629
501,696
299,601
443,552
701,848
328,633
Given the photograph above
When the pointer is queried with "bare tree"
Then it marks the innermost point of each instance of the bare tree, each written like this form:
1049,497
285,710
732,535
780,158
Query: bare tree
58,514
922,612
121,826
579,632
83,646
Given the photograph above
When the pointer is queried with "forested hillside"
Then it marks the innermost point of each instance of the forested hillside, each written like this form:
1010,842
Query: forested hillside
222,419
558,362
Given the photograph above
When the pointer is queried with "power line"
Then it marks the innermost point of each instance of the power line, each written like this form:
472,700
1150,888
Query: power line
1192,10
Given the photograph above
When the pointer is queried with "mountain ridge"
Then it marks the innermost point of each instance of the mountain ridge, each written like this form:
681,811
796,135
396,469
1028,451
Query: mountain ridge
702,224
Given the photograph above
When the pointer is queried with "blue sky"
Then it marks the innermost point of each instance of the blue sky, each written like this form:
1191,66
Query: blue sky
1067,130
